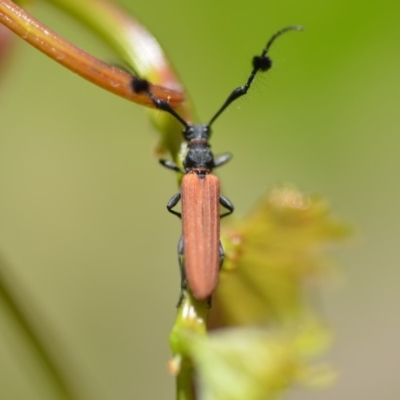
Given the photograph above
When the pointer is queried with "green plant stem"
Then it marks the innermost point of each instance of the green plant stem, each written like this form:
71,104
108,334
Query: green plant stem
190,322
184,382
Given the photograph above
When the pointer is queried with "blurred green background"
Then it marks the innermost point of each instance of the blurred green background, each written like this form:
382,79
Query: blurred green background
84,229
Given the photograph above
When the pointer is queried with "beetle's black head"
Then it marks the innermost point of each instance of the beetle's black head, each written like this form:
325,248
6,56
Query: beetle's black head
197,131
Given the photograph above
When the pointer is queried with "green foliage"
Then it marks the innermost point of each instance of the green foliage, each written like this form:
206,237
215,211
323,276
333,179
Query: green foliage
274,257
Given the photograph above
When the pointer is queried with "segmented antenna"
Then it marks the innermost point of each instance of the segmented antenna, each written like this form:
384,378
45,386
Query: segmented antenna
260,63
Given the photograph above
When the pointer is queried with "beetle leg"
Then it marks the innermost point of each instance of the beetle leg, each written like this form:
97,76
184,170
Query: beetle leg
171,165
226,204
221,255
172,203
182,271
222,159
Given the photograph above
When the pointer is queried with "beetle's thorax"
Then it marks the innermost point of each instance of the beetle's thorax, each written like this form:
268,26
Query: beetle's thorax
199,157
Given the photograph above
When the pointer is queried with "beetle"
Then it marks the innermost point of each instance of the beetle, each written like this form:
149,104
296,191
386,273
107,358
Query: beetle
200,251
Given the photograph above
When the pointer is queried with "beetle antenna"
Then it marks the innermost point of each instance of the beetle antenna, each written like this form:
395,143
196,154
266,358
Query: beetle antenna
260,63
142,85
